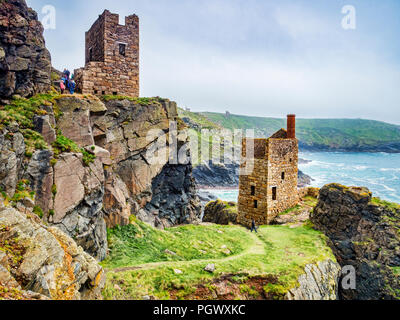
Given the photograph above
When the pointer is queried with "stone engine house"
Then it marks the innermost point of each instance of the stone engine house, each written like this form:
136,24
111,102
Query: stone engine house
112,57
271,187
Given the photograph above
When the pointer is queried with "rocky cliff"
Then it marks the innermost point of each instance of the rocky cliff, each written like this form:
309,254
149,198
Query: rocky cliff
38,262
363,233
87,164
145,176
320,281
227,175
24,60
221,212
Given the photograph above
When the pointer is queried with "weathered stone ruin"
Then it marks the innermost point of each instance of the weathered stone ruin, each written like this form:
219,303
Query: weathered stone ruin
25,64
271,187
112,57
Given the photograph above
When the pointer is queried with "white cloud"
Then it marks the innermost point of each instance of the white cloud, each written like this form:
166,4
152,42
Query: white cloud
251,57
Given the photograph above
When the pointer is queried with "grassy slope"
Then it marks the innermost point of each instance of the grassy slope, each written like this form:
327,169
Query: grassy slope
276,251
334,133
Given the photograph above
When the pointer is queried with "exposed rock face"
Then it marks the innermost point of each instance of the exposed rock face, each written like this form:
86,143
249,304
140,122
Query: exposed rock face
227,175
128,175
75,120
304,180
78,202
174,198
319,282
12,149
41,176
364,235
70,194
25,65
220,212
44,126
217,175
140,180
36,258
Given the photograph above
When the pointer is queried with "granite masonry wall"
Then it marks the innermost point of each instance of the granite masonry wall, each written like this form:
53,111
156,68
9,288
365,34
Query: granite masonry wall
271,187
112,57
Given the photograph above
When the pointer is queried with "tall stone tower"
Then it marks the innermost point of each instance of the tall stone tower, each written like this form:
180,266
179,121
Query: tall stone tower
271,187
112,57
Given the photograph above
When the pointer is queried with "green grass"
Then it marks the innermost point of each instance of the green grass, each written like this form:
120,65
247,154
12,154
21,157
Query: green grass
22,191
199,119
295,209
63,144
396,271
395,207
22,111
144,101
306,202
278,251
310,201
139,243
289,250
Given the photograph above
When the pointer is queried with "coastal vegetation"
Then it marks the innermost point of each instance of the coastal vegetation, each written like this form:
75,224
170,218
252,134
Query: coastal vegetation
315,134
171,264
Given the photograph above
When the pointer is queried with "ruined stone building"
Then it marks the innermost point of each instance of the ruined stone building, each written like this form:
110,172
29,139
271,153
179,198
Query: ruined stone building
271,187
112,57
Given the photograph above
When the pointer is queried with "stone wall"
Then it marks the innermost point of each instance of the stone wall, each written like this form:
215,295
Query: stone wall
25,65
94,40
282,160
258,179
275,166
107,71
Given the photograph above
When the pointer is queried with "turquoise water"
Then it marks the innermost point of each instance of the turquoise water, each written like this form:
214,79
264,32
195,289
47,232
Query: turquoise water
380,172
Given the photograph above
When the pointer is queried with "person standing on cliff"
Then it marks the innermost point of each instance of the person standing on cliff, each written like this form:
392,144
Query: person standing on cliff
62,86
253,226
66,73
72,85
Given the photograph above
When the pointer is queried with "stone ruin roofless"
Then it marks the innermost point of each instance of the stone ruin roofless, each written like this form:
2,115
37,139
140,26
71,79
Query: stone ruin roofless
271,187
112,57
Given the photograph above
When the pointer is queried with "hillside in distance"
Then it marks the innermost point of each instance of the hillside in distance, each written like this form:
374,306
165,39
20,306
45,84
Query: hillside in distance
349,135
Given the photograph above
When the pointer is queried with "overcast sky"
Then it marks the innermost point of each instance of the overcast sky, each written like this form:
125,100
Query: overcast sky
253,57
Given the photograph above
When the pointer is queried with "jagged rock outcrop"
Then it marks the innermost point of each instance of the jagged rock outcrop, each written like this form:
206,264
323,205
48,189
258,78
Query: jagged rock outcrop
221,212
40,262
319,282
78,202
132,171
12,149
143,178
217,175
227,175
25,63
128,158
364,234
174,198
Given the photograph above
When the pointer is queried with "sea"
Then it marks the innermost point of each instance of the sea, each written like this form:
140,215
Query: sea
380,172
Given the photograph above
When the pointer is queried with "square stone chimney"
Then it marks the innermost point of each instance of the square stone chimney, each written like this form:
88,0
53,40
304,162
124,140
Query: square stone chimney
291,126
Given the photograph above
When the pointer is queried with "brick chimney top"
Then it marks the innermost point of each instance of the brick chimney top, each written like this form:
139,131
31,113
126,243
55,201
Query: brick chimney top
291,126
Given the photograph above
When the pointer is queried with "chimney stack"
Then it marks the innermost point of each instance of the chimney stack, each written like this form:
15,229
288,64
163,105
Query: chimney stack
291,126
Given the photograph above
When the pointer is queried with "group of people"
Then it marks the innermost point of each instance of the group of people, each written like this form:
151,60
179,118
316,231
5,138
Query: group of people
67,82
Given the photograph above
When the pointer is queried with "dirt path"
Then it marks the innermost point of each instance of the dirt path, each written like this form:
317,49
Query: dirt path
257,247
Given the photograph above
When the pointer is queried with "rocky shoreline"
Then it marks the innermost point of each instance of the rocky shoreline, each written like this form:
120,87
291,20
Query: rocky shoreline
221,176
